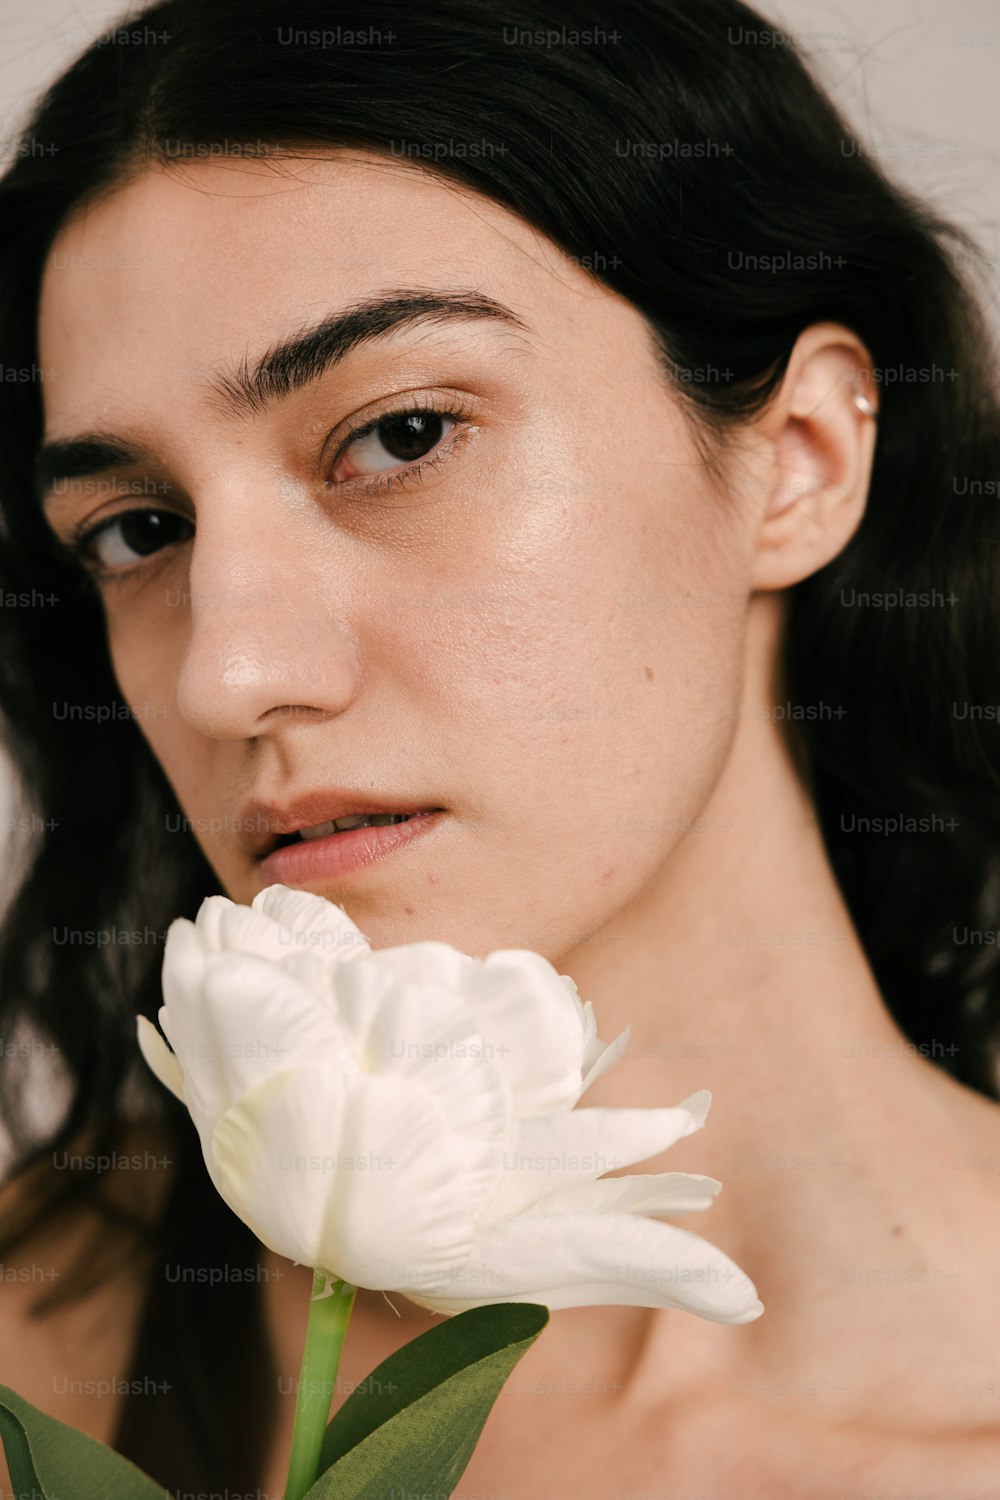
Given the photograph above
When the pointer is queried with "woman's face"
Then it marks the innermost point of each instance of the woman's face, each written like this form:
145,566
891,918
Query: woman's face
527,611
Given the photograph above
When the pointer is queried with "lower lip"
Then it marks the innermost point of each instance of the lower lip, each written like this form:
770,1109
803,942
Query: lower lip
342,853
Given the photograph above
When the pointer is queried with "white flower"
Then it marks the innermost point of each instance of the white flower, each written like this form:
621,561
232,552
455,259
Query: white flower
405,1118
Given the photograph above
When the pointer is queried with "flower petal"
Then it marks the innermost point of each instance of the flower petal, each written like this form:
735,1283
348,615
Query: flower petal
592,1044
260,1018
652,1193
209,921
227,928
185,1020
362,1180
242,930
559,1151
543,1060
160,1058
429,1036
318,925
184,957
602,1056
431,963
583,1260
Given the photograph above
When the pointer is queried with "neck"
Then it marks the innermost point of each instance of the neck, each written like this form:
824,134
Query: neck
741,972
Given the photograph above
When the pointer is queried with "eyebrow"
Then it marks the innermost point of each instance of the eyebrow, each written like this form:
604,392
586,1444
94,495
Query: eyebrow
288,366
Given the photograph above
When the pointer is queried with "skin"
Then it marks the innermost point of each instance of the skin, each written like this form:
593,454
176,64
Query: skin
588,692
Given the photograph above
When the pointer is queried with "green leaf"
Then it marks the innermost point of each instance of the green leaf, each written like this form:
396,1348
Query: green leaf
416,1419
50,1461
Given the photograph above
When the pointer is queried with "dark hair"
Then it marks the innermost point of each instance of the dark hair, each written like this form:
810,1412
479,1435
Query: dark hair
730,146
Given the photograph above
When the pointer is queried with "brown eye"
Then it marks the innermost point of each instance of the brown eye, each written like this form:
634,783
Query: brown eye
397,438
128,538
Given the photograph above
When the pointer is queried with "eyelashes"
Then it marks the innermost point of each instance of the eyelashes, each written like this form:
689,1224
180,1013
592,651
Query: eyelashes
400,427
160,524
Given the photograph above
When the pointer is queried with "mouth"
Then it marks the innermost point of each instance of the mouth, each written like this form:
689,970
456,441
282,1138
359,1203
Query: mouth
325,815
342,847
345,825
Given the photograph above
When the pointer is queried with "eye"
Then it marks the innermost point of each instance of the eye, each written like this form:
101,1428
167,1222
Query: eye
386,453
396,439
113,546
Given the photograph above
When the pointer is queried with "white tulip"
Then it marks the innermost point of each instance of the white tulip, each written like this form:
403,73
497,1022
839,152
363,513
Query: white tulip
405,1119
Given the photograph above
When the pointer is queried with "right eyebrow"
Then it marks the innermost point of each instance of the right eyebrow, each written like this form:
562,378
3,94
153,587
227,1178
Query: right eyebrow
285,367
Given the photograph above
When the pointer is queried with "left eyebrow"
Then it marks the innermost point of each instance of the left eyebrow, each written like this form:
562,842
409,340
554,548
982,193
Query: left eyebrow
297,361
287,366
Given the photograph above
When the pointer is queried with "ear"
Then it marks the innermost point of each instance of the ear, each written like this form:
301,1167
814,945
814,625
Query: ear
820,442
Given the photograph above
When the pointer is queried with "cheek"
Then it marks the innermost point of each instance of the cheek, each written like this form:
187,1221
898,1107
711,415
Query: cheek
145,657
564,681
591,693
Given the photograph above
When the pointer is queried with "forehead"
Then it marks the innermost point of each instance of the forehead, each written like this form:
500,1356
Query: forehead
186,266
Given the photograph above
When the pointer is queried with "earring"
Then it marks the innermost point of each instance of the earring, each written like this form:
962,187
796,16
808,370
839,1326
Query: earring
863,404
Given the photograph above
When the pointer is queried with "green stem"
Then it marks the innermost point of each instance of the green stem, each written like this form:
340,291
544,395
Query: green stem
328,1318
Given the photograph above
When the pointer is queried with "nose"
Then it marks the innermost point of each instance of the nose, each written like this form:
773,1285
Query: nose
268,640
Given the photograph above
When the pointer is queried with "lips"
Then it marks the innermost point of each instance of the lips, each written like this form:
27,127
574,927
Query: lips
344,825
331,859
266,826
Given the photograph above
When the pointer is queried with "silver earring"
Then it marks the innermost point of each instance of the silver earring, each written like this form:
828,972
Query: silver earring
862,402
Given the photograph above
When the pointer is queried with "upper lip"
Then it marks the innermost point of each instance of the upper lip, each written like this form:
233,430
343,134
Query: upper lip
262,825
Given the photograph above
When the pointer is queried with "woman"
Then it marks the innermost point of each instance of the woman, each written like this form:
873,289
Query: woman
564,426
